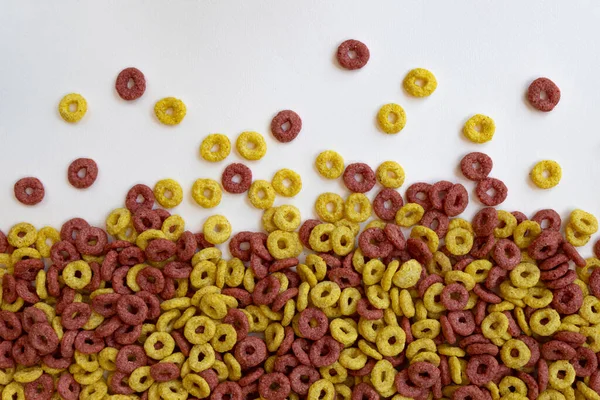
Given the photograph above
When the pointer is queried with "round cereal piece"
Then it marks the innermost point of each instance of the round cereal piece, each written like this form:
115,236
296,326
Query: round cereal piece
329,164
330,207
543,94
479,128
551,217
216,229
215,147
459,241
499,188
236,171
72,107
250,352
29,191
387,203
546,174
367,178
82,173
583,222
207,193
391,118
390,174
476,166
357,208
139,196
454,297
287,183
138,84
286,126
168,193
312,323
170,111
251,145
353,54
261,194
482,369
419,193
419,82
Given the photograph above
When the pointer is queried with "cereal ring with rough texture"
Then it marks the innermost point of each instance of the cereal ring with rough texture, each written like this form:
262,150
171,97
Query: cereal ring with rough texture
357,208
500,189
168,193
456,200
170,111
133,201
216,229
387,203
261,194
287,183
251,145
479,128
72,100
137,88
207,193
353,47
330,164
286,126
215,147
333,213
362,170
82,173
29,191
233,171
391,118
476,166
419,193
419,82
390,174
552,94
546,174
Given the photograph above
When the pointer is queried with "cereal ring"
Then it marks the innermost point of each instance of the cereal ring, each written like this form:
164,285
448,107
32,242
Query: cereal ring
168,193
324,351
215,147
236,171
357,208
499,188
72,107
327,213
546,174
286,126
479,128
476,166
261,194
77,274
29,191
419,82
206,193
353,54
250,352
418,193
139,196
391,118
217,229
251,145
551,91
390,174
362,170
456,200
287,183
91,241
329,164
307,328
138,87
387,203
82,173
170,111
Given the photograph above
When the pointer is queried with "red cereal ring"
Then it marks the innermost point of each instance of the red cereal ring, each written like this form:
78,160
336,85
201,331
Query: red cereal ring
305,231
456,200
534,348
476,338
109,264
293,278
250,392
584,362
23,353
117,245
479,312
403,384
228,390
549,100
394,235
500,191
105,304
251,377
186,246
67,387
545,245
152,303
423,374
4,245
31,316
119,281
239,245
151,280
495,277
344,277
468,392
43,338
513,328
476,166
243,297
419,250
29,191
10,325
419,193
259,266
131,256
482,245
40,389
532,386
243,174
202,242
353,54
454,297
405,325
91,241
67,297
506,254
302,377
285,364
557,350
137,88
374,243
177,270
563,281
27,269
282,298
359,185
364,391
129,358
118,383
96,280
288,340
82,173
519,216
366,310
163,371
313,323
26,291
575,339
485,221
301,348
6,360
250,352
548,219
324,351
160,250
139,196
108,327
280,265
553,262
387,203
436,221
239,321
258,244
9,286
542,373
266,290
132,309
145,219
274,386
286,125
476,349
127,334
88,343
364,371
567,300
182,342
67,344
437,194
70,229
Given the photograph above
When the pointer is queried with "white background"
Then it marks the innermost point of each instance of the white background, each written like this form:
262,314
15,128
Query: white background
237,63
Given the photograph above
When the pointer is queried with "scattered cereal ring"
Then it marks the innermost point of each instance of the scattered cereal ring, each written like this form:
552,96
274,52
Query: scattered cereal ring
168,193
207,193
365,172
552,94
328,213
170,111
549,167
330,164
138,87
390,174
29,191
78,102
286,126
479,128
221,145
392,118
420,82
353,54
261,194
286,182
251,145
476,166
82,173
217,229
231,172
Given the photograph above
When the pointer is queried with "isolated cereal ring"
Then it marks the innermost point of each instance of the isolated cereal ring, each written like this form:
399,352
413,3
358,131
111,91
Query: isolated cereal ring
391,118
552,168
390,174
217,229
168,193
176,107
286,125
29,191
122,84
79,103
286,182
419,82
207,193
251,145
535,90
479,128
476,166
240,171
82,166
221,145
361,54
261,194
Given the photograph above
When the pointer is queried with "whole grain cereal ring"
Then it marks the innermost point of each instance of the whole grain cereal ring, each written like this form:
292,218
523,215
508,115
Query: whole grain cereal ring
239,171
545,245
41,388
403,385
546,174
145,219
286,182
67,387
479,128
357,208
139,196
543,103
499,188
76,315
72,107
329,164
206,193
506,254
43,338
419,82
436,221
374,243
138,84
423,374
250,352
29,191
82,173
168,193
584,362
366,174
261,194
324,351
217,229
391,118
286,125
251,145
130,357
568,299
353,54
312,323
418,193
459,241
91,241
454,297
170,111
215,147
132,309
387,203
390,174
302,377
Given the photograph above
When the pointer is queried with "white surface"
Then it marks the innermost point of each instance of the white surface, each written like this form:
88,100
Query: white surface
237,63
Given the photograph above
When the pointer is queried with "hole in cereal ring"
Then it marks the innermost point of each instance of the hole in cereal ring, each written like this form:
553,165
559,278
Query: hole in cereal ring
392,118
287,182
419,82
251,145
168,194
29,192
130,83
286,126
169,111
543,95
72,107
82,173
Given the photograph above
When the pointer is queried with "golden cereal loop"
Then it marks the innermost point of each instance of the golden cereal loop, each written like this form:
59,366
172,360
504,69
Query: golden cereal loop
168,193
80,106
545,322
261,194
479,129
267,220
384,341
321,390
155,340
145,237
283,244
512,347
170,111
287,183
22,235
409,214
506,224
459,241
342,240
427,235
546,174
216,141
575,237
390,174
525,275
583,222
561,374
357,208
217,229
173,227
45,235
287,218
408,275
330,207
316,237
77,274
251,145
419,82
391,118
207,193
330,164
525,233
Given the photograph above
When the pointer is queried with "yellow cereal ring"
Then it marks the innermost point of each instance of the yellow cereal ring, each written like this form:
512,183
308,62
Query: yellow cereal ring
330,164
538,297
585,390
391,118
409,214
459,241
128,233
352,358
286,182
170,111
215,147
546,174
267,220
357,208
157,339
382,376
525,275
460,223
316,241
224,339
390,174
27,374
261,194
512,384
576,238
140,379
15,391
378,297
287,218
551,320
583,222
172,390
426,329
319,390
274,335
77,274
511,347
79,104
145,237
234,369
344,330
207,193
494,325
525,233
427,235
479,269
45,235
590,309
419,82
217,229
251,145
342,240
22,235
330,207
173,227
408,275
283,244
348,301
168,193
479,129
561,374
506,224
199,329
391,341
196,386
